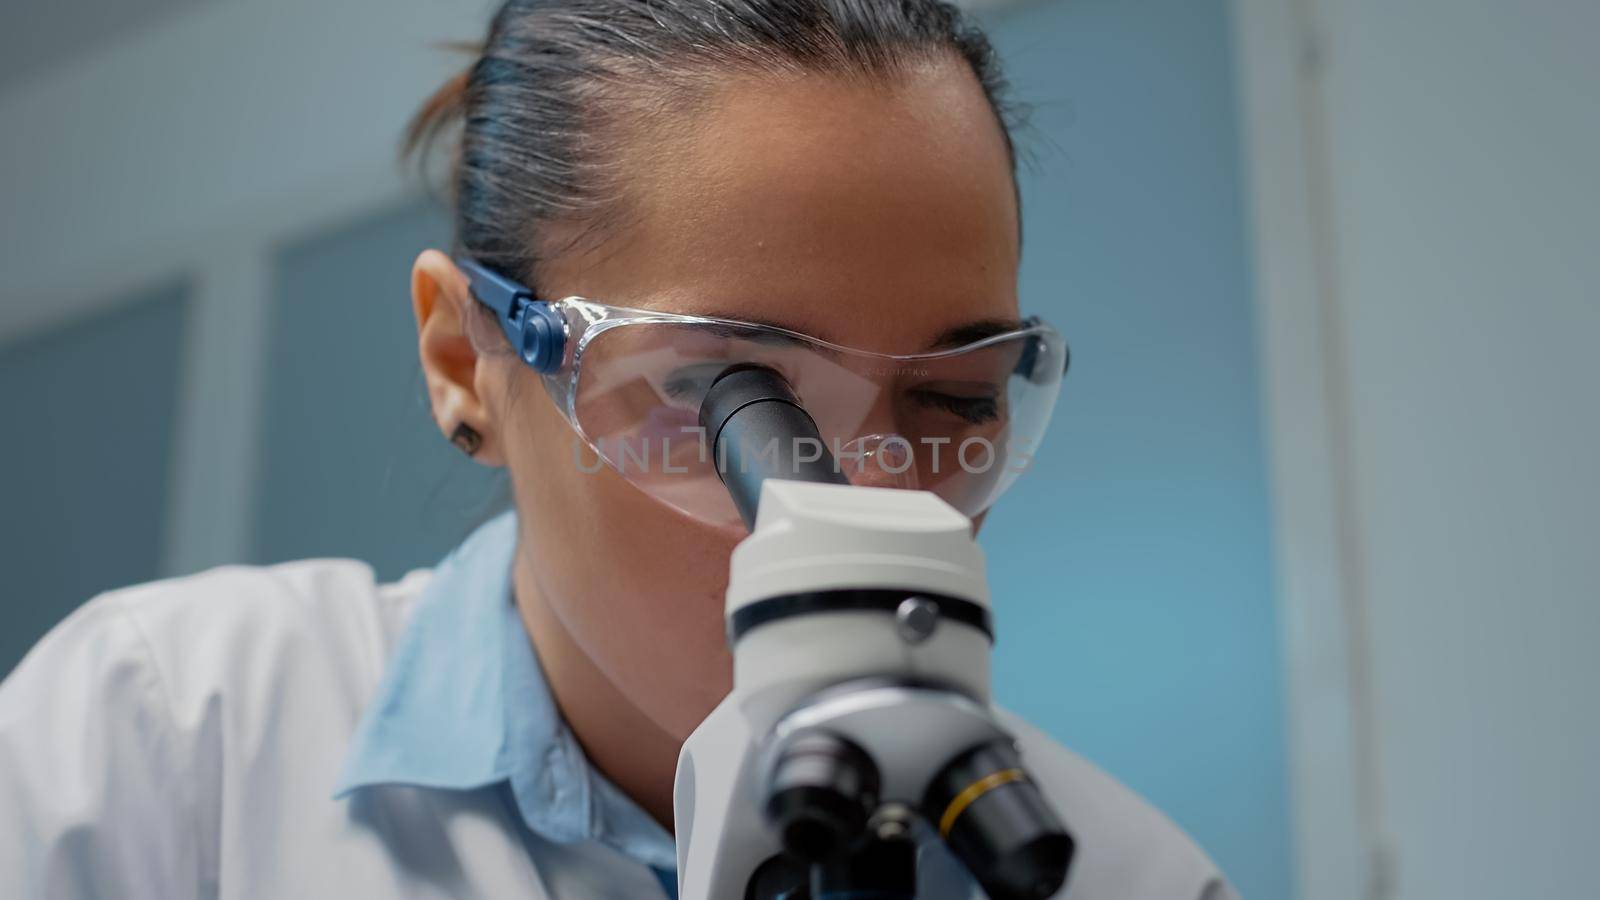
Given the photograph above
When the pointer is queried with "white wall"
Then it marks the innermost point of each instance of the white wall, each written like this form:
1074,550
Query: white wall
192,148
1428,229
208,123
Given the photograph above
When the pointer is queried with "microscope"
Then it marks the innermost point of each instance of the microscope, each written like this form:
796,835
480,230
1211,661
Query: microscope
858,742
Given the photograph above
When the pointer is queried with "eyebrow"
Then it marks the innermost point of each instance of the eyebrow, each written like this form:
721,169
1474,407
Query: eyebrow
762,337
961,335
958,336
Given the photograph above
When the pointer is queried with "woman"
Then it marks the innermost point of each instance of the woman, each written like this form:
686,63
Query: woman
826,186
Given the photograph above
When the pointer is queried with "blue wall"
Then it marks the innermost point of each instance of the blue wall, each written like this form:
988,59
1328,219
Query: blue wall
88,412
352,464
1132,568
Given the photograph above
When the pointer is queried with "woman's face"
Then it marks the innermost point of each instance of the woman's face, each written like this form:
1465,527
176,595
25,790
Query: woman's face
874,215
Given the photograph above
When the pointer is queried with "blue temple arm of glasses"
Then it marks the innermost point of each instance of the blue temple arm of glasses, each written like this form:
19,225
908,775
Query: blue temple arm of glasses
534,330
506,297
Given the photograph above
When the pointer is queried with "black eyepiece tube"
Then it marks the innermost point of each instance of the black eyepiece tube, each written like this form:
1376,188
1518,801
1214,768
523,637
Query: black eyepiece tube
758,430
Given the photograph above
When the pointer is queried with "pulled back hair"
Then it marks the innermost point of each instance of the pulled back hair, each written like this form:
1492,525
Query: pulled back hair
538,124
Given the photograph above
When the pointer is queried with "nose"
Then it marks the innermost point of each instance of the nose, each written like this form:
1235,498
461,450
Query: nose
879,460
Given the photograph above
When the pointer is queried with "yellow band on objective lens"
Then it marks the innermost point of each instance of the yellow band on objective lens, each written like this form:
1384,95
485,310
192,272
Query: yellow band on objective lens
971,793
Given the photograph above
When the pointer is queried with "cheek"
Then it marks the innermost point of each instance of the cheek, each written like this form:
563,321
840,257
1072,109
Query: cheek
639,587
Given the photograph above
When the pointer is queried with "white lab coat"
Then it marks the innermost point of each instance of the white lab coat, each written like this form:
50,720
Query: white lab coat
181,740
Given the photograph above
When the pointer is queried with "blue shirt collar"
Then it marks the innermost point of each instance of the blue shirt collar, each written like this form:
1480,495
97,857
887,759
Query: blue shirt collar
463,705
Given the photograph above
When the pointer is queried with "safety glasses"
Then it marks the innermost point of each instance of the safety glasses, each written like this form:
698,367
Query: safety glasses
962,423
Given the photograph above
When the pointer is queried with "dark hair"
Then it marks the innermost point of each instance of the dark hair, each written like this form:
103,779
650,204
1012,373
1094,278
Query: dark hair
557,81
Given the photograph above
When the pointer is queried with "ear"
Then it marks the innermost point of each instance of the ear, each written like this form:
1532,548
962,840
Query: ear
441,300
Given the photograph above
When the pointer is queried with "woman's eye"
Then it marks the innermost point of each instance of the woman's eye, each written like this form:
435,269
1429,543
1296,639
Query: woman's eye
684,388
689,384
973,410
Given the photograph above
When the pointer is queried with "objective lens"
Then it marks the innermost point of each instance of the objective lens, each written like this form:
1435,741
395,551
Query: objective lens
780,878
997,823
876,870
822,791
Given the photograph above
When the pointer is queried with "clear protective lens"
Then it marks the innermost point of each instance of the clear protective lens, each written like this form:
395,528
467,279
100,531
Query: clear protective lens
962,423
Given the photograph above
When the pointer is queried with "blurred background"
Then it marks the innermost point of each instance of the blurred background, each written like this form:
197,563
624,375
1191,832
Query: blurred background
1311,560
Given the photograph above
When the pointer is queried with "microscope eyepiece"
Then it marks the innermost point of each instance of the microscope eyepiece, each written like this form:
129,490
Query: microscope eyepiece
756,425
997,823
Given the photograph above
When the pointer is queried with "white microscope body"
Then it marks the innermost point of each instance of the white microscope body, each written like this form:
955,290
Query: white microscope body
859,622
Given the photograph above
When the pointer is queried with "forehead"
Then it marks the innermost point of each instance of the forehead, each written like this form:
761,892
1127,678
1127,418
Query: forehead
864,211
